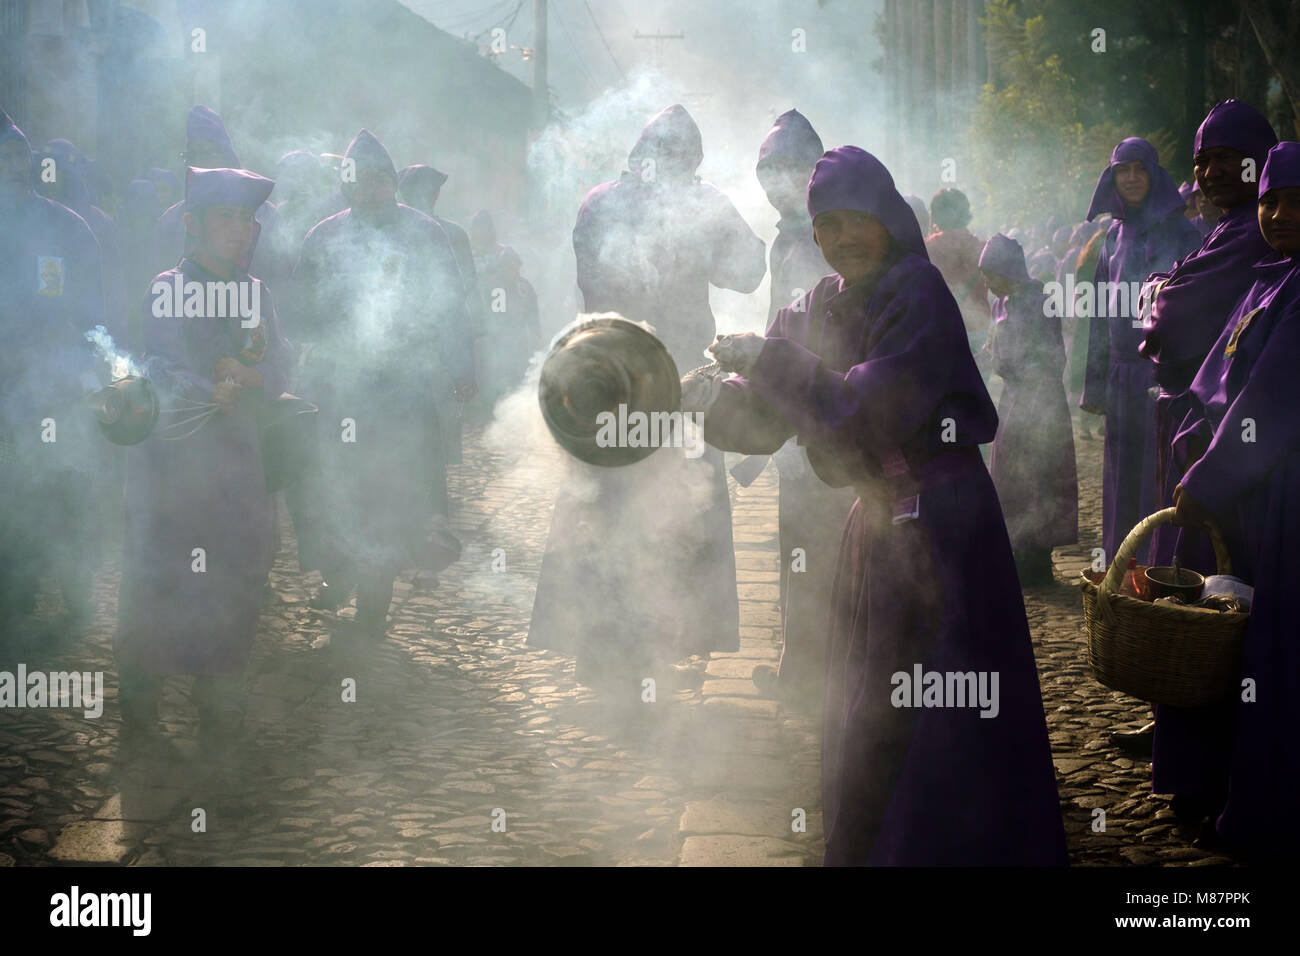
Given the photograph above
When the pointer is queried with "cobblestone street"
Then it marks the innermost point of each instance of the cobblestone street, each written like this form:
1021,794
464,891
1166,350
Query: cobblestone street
466,746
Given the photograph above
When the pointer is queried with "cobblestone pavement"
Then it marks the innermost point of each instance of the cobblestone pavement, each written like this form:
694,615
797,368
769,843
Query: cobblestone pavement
465,746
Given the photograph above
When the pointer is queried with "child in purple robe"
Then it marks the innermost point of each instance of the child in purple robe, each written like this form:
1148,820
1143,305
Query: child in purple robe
1032,462
1147,234
889,400
1241,442
200,534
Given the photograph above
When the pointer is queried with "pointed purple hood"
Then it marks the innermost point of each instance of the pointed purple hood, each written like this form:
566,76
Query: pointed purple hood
204,123
791,141
1161,199
1005,257
848,177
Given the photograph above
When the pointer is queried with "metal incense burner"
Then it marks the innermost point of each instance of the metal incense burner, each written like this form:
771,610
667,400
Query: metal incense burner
126,410
595,367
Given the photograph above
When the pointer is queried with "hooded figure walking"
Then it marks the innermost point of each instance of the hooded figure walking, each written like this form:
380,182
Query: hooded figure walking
1032,462
391,346
811,513
892,403
640,569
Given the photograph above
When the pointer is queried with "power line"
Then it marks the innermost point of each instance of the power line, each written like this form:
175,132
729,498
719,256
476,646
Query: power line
582,61
601,34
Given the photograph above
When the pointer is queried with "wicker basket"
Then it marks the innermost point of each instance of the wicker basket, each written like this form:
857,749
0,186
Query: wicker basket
1161,653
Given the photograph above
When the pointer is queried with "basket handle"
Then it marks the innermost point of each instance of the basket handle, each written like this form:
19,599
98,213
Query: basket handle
1115,575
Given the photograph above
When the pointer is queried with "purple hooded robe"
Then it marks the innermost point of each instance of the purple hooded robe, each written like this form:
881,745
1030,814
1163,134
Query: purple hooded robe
1032,462
206,490
926,580
1141,241
1251,486
648,246
1190,310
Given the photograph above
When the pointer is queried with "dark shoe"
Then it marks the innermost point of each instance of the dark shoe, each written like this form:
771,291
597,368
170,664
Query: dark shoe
1135,743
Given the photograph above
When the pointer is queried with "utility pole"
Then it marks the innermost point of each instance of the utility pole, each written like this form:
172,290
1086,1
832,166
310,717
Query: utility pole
659,39
541,96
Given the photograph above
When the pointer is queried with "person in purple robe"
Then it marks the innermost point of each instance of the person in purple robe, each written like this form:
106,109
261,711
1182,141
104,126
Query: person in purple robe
207,146
640,570
1239,452
1148,233
1032,462
810,513
200,535
390,351
888,399
51,294
1192,304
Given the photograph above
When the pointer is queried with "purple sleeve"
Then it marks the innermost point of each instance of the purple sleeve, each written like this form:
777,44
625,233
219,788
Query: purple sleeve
741,420
1231,465
887,400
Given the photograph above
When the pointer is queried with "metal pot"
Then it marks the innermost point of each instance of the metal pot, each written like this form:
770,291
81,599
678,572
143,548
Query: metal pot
126,410
595,367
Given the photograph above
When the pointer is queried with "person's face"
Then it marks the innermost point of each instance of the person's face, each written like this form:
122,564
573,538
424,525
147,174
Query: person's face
225,233
853,243
1279,219
202,154
786,187
15,170
374,190
1219,172
1132,182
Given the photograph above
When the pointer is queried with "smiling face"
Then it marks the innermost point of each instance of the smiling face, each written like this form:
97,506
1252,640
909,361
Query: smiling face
1279,219
853,243
1132,182
1219,171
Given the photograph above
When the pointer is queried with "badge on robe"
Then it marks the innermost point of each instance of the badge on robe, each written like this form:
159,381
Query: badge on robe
49,275
1239,330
